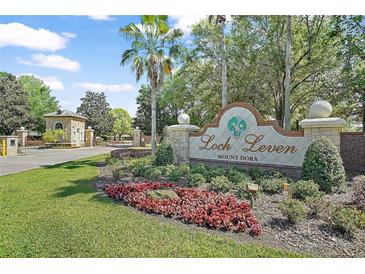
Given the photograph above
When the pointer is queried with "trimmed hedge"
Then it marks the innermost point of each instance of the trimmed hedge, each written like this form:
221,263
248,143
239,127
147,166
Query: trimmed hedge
323,165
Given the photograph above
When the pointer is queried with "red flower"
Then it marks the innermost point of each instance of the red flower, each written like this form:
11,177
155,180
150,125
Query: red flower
200,207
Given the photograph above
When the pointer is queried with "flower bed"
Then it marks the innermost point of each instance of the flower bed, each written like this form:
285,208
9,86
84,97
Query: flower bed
201,207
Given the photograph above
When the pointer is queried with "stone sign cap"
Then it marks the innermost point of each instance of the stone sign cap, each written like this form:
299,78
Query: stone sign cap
322,122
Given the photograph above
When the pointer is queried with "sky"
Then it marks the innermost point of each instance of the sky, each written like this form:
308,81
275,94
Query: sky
72,54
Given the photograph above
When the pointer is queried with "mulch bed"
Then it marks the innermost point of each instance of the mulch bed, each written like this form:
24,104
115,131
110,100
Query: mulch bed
313,236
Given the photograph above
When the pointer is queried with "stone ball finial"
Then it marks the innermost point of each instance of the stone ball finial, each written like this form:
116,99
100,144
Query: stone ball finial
183,119
89,127
320,109
22,128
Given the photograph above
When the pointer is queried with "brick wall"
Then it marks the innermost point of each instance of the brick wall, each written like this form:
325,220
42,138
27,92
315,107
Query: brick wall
353,151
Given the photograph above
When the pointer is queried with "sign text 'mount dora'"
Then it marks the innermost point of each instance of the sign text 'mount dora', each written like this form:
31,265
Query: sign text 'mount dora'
239,134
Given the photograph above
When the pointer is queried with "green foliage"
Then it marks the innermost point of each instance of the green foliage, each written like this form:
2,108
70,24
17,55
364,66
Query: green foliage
220,184
294,210
152,172
122,122
236,176
40,100
164,155
54,136
316,205
347,220
215,172
160,194
116,167
195,180
303,189
97,111
14,105
323,165
184,169
272,186
199,168
175,175
166,170
139,166
258,173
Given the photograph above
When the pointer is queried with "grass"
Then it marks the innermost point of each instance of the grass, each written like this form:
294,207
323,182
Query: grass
55,212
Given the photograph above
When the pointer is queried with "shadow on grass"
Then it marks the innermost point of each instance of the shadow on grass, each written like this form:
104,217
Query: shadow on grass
83,187
73,164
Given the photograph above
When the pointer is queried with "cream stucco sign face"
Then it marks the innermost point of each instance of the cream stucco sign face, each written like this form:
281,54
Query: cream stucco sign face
239,134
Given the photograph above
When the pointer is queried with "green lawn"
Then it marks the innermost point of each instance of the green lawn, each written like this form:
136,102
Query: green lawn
55,212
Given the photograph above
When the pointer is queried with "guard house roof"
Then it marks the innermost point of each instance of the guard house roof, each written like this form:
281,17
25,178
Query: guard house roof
65,113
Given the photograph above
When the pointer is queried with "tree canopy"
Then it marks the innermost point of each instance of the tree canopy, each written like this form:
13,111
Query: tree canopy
122,122
14,105
97,111
40,101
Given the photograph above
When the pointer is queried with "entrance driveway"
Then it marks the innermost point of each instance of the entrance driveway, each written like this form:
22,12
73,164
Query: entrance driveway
33,158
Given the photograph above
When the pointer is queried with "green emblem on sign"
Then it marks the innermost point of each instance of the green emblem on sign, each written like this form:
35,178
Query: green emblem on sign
237,126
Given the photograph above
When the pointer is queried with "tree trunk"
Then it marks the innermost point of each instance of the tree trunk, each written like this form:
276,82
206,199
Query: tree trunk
287,78
224,69
153,118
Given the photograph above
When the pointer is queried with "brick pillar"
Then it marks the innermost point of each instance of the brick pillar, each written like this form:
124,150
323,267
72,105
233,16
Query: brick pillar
22,133
137,137
327,127
178,137
89,137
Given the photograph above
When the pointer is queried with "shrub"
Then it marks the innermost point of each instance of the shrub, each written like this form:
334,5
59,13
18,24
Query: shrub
294,210
303,189
257,173
139,166
199,168
347,220
316,205
166,170
323,164
164,155
196,180
115,166
53,136
152,172
184,169
236,176
358,195
175,175
215,172
220,184
272,186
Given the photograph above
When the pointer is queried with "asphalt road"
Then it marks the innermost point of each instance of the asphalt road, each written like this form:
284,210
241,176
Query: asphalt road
34,158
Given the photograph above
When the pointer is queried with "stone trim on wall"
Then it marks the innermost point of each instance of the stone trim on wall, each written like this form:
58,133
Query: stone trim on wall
260,121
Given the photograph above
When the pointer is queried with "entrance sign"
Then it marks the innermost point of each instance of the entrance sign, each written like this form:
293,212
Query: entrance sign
240,135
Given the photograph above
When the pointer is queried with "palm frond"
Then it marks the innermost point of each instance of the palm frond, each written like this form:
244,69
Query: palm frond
131,32
127,56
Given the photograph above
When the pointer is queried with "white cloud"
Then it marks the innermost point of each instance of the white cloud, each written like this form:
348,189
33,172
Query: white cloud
185,22
53,82
104,88
52,61
101,17
17,34
69,34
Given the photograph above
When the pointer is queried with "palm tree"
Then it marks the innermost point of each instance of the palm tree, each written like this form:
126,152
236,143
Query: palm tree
220,20
154,45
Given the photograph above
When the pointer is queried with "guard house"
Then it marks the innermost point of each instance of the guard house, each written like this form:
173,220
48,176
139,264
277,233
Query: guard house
72,123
